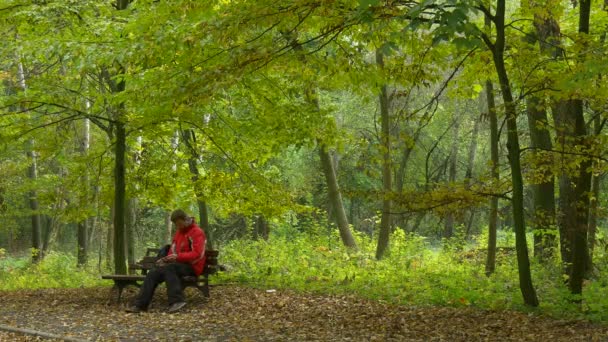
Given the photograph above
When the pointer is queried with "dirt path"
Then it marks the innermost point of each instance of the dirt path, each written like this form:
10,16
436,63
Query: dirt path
243,314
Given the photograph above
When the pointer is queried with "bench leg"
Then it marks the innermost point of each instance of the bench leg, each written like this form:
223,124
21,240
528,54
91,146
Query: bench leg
120,286
205,287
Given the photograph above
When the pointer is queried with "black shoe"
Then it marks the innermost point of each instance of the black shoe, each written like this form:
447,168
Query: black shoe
175,307
134,309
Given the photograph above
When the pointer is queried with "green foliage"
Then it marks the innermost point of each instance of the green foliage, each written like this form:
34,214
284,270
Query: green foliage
56,270
415,273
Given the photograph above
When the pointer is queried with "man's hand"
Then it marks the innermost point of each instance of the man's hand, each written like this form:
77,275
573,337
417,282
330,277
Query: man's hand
170,258
166,260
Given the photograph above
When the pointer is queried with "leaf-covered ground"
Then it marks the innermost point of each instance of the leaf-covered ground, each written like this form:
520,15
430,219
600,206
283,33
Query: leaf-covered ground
237,313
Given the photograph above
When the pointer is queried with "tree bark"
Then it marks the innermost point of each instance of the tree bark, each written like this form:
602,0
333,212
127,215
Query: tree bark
385,220
120,237
83,226
335,197
595,195
448,228
580,252
33,176
544,192
517,200
260,229
544,218
494,140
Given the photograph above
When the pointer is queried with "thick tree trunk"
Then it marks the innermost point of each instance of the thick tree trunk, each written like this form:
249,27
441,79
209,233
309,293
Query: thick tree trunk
523,261
385,220
494,140
580,253
120,236
543,193
544,216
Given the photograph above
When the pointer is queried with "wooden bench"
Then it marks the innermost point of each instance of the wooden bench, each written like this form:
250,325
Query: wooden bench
148,262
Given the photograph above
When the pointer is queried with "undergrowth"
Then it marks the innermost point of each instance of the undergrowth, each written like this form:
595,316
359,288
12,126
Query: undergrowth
413,273
56,270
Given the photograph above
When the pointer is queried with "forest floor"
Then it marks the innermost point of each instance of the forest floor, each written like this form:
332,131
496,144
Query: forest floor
236,313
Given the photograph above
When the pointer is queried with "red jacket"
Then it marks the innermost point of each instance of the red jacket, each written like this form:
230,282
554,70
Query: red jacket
189,246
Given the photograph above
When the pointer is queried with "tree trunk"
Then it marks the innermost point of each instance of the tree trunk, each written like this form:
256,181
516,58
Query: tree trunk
543,193
120,236
33,176
130,219
544,218
517,200
33,202
260,229
580,252
335,198
385,220
448,228
595,195
83,226
494,140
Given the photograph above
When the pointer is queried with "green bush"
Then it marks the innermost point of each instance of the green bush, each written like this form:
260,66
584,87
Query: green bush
56,270
413,273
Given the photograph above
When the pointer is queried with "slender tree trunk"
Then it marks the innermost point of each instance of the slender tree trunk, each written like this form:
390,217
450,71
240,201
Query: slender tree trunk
595,195
130,219
33,176
448,228
110,240
385,220
335,198
494,140
523,261
132,206
83,225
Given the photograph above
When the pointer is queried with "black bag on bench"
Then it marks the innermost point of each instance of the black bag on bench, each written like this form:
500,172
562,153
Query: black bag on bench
163,251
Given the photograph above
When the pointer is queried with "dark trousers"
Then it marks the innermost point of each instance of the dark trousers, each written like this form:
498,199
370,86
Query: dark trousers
171,274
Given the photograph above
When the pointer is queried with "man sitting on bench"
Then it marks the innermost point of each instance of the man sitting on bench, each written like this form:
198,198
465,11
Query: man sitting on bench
186,257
